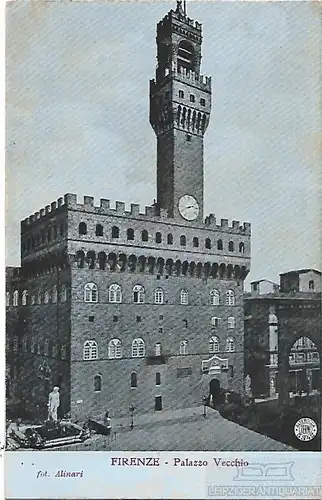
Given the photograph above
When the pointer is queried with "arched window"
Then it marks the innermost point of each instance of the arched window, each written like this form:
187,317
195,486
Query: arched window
213,345
214,297
230,298
215,322
195,242
90,350
7,299
115,293
15,298
208,243
63,293
231,246
311,285
219,245
184,347
134,379
138,294
90,292
158,378
24,297
39,297
98,383
115,232
231,322
46,297
183,240
99,230
241,247
158,237
144,235
158,349
54,294
186,55
230,344
138,348
114,349
158,296
184,297
130,234
170,239
82,228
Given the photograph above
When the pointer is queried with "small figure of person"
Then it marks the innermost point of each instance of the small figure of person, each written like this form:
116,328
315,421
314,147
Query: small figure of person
107,422
53,404
15,431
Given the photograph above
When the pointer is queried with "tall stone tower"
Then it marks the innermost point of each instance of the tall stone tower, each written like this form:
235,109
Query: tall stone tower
180,103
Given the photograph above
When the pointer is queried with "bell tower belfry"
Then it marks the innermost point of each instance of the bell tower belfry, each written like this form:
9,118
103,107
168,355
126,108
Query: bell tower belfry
180,103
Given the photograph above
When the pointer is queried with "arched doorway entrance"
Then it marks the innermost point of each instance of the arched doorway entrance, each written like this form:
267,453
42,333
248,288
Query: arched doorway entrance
214,391
304,367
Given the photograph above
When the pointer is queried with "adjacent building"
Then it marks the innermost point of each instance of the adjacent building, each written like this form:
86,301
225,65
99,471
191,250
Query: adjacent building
284,322
128,308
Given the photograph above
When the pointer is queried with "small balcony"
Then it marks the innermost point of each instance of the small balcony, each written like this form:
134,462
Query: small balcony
156,358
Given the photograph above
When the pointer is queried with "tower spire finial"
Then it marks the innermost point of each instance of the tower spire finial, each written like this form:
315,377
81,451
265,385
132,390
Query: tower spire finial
179,9
184,7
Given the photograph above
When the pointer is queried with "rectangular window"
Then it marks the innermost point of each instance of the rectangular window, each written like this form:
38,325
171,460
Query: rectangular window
184,297
202,102
184,372
161,317
181,94
192,98
158,403
138,319
188,137
91,318
115,319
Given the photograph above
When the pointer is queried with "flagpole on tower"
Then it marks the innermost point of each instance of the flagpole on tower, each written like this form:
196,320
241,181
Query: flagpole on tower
184,7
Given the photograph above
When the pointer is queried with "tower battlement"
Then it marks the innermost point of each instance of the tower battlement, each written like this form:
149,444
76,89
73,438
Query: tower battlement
183,75
179,16
70,202
236,227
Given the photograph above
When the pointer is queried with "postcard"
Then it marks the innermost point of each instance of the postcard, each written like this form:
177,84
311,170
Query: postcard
163,269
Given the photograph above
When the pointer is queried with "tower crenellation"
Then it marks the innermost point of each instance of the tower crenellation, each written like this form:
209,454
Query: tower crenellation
70,202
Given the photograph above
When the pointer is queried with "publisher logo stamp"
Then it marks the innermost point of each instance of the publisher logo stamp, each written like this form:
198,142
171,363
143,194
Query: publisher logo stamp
305,429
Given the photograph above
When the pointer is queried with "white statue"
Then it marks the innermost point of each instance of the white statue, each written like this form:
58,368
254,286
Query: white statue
53,403
272,387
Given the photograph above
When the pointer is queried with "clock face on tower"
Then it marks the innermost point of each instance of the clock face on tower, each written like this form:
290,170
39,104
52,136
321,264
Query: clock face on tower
188,207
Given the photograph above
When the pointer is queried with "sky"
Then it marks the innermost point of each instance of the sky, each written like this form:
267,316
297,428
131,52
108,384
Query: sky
77,117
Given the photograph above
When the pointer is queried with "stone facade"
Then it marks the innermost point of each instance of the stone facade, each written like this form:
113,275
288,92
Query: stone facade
180,282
